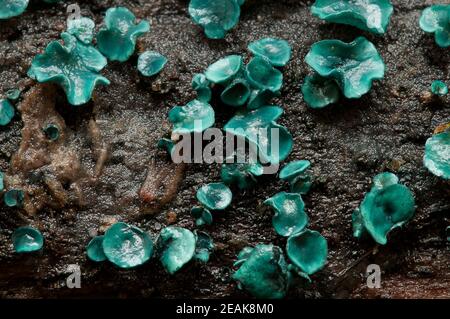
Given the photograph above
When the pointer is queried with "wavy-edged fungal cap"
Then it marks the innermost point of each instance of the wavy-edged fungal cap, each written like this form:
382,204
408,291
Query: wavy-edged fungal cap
203,87
296,174
117,39
308,251
74,66
12,8
290,217
436,19
277,51
215,196
353,65
225,69
196,116
387,206
437,155
175,247
250,124
216,17
82,28
262,75
151,63
27,239
368,15
263,272
319,92
127,246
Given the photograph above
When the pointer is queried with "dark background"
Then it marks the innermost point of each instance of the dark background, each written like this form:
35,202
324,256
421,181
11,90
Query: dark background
347,144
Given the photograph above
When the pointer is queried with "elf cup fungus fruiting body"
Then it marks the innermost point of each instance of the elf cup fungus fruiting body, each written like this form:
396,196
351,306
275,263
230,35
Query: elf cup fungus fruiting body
368,15
436,19
175,247
437,155
263,272
354,66
117,39
215,196
290,217
216,17
27,239
127,246
387,206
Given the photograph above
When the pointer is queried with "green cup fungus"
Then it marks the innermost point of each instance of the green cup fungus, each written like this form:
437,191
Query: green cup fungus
439,88
367,15
196,116
94,249
27,239
436,19
6,112
308,251
202,216
2,181
216,17
127,246
117,39
204,246
437,155
52,132
236,93
260,98
262,75
263,272
387,206
151,63
14,198
241,174
175,247
202,86
352,65
12,8
82,28
290,217
319,92
224,70
74,66
297,175
257,126
276,51
215,196
13,94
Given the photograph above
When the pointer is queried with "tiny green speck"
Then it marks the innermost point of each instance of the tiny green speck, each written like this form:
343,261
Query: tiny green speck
439,88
